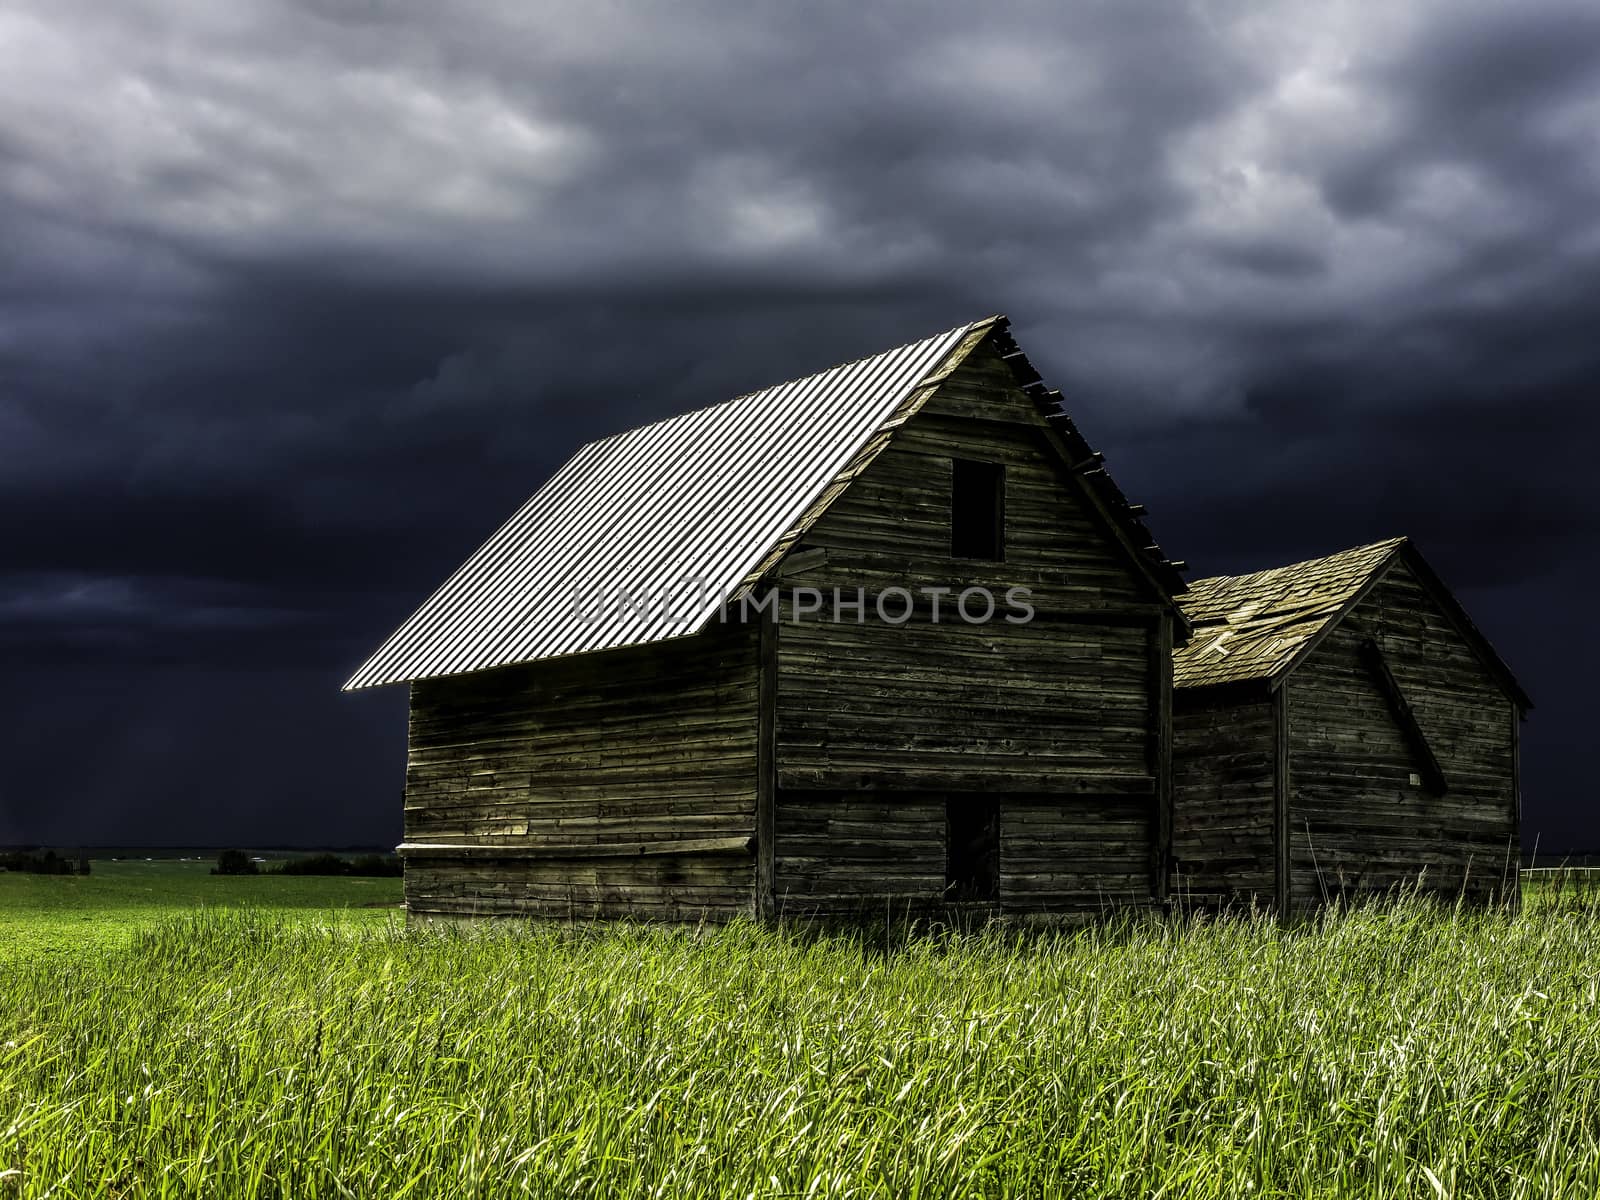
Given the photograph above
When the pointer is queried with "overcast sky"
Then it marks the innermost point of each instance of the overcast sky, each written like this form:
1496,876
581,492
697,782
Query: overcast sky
298,302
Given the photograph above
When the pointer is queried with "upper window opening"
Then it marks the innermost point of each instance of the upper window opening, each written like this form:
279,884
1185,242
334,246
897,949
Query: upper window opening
977,509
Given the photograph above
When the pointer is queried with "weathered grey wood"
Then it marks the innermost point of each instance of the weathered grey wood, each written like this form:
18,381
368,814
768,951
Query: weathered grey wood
1223,770
766,767
798,563
1391,761
1282,803
1372,654
1161,750
529,778
1056,720
938,776
1512,890
566,850
1357,813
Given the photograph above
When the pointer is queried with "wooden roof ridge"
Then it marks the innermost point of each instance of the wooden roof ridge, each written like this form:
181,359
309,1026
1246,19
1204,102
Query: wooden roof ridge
1259,578
1385,551
1267,617
1319,593
1088,465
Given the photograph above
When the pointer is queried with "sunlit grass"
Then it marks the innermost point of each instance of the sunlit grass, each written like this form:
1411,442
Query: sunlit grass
1402,1051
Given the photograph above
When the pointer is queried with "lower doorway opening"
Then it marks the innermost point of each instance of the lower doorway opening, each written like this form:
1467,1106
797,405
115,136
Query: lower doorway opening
972,849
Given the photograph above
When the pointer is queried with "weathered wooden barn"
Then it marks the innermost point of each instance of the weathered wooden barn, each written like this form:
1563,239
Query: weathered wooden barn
1341,727
576,750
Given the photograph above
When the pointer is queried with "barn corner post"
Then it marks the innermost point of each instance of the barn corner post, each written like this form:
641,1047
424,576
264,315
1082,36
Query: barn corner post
1513,885
1162,767
408,873
1281,785
765,906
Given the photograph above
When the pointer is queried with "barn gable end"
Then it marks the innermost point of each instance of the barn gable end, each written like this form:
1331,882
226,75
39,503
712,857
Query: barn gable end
1366,813
1391,754
883,731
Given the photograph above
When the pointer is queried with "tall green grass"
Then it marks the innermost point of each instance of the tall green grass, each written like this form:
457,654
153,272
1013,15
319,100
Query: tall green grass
1401,1051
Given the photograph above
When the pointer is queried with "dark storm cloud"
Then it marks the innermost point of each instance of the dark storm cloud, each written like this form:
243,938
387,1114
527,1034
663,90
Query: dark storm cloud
1505,100
298,301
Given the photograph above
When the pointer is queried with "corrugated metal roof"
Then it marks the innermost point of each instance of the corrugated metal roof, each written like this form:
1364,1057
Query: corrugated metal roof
704,496
1252,626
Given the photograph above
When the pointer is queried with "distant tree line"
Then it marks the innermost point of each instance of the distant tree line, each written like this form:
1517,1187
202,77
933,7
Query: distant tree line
43,862
234,862
237,862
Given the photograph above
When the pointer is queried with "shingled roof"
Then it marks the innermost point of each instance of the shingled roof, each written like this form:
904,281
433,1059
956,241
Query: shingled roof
718,496
1260,626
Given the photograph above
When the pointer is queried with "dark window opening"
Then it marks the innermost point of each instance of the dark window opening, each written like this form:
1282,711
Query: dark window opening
977,509
972,848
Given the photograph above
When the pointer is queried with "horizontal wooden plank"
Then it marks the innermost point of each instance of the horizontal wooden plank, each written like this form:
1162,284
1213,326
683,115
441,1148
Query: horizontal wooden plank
564,850
922,775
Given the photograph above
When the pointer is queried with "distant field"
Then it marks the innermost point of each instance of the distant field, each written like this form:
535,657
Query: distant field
65,915
1562,885
1407,1051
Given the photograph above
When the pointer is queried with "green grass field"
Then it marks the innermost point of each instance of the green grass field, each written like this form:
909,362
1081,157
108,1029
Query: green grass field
45,916
293,1049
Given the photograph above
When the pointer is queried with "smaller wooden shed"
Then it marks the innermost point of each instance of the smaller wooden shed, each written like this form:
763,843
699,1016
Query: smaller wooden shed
1341,727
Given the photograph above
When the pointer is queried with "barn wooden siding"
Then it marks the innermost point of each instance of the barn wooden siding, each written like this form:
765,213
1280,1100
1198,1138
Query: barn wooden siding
1224,772
1060,719
1357,822
606,785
